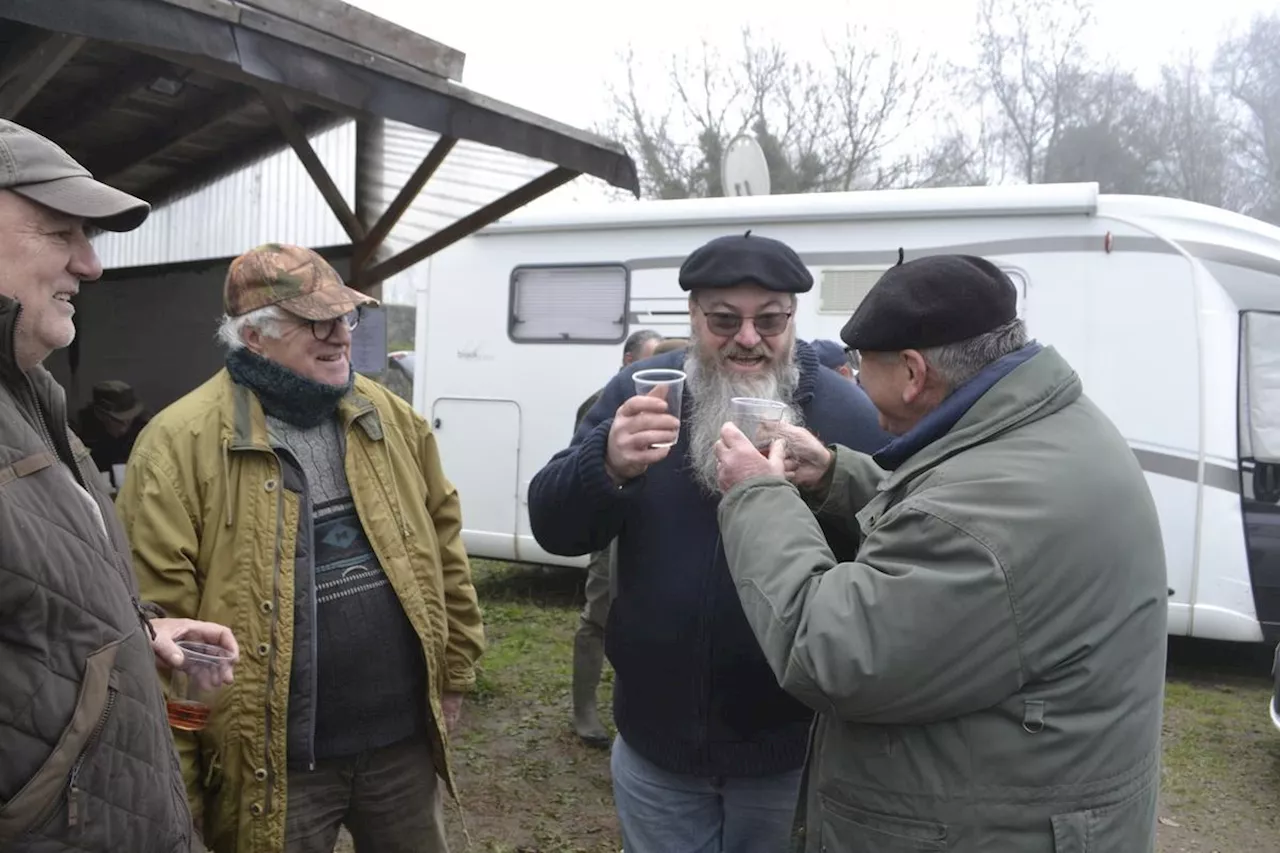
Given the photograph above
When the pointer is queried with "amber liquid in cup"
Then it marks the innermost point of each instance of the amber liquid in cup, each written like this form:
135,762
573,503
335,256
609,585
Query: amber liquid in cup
187,716
194,686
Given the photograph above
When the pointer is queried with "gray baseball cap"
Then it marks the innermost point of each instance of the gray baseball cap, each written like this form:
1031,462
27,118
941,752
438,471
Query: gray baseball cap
35,168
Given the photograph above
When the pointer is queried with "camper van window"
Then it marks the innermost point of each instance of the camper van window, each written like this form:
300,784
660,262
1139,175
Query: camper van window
584,303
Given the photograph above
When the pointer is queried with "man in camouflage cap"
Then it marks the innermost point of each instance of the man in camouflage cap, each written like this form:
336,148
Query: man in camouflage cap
306,507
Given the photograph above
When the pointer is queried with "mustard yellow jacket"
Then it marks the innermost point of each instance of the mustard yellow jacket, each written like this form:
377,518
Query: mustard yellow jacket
213,534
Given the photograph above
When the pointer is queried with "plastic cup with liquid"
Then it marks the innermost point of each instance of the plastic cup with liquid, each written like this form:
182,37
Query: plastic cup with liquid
195,684
758,419
663,383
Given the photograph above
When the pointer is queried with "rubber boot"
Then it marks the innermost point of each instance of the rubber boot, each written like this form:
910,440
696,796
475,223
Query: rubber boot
588,662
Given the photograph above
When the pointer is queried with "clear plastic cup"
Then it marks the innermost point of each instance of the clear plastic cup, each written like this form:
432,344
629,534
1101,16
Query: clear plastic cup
758,419
194,685
663,383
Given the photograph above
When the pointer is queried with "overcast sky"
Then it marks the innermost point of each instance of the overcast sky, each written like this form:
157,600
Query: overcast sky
555,56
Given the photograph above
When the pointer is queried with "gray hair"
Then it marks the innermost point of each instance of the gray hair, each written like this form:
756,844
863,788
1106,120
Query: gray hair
957,363
636,342
268,320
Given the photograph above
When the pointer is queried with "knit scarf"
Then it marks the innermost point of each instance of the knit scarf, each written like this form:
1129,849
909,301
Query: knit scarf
289,396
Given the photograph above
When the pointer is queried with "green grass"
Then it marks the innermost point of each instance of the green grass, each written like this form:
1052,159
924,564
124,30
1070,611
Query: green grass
1221,774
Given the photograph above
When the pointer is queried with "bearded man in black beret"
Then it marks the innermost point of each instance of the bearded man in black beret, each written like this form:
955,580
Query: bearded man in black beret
709,747
989,667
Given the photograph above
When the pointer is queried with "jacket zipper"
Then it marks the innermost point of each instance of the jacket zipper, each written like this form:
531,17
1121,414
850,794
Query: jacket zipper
45,433
73,790
313,642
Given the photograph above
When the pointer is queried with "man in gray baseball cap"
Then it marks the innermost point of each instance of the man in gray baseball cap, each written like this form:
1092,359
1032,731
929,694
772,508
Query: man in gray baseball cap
36,169
82,718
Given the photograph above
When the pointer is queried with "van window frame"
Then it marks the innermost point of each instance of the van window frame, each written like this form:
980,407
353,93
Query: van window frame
626,303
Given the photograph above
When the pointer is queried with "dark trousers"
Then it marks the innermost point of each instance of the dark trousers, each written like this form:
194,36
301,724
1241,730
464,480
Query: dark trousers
389,800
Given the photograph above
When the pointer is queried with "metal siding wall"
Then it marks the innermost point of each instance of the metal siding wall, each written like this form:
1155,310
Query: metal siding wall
272,200
275,200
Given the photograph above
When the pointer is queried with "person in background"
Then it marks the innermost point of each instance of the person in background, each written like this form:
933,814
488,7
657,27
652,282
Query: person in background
110,424
588,642
709,747
364,642
989,667
671,345
637,347
86,758
836,356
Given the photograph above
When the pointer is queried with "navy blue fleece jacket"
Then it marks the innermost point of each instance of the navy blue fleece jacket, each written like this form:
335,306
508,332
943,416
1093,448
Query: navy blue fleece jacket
693,693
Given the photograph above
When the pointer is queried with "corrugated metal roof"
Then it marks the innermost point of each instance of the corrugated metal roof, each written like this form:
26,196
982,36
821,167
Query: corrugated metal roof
469,178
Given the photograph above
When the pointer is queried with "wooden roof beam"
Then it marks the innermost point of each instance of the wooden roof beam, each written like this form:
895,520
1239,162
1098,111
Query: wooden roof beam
469,224
106,97
228,160
297,139
412,187
339,20
27,74
115,163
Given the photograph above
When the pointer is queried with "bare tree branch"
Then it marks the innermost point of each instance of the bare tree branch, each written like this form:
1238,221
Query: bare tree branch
822,127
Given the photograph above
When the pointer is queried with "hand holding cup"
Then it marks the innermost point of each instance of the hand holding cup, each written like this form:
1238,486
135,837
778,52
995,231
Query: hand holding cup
646,426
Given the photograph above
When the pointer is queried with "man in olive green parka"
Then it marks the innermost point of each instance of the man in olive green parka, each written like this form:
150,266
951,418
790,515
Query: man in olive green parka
989,669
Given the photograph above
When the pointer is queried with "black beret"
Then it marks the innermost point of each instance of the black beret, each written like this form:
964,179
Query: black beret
746,259
930,302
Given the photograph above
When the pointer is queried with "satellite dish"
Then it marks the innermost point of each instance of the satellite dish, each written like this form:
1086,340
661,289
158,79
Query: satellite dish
744,170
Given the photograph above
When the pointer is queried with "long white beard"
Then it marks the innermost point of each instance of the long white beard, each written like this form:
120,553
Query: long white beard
711,387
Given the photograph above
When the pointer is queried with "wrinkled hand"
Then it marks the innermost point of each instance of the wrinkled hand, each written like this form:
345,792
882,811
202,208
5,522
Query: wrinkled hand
170,631
640,423
737,458
808,459
451,704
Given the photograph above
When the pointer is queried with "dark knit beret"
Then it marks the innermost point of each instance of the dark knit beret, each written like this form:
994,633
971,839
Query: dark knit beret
930,302
745,259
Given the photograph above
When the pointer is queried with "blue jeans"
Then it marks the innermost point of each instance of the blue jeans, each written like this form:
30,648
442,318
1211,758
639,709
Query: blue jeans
663,812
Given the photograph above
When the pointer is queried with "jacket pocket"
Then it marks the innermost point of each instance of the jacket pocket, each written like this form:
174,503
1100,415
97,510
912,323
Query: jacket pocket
36,803
1071,832
847,829
1119,828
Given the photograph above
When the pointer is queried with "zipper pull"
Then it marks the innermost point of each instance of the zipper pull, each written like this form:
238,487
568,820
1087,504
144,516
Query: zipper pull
73,805
142,618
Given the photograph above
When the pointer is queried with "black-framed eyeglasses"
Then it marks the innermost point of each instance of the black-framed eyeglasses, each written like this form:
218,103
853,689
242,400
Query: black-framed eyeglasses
726,324
322,330
852,357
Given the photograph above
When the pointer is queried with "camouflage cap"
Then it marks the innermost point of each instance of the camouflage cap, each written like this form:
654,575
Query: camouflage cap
297,279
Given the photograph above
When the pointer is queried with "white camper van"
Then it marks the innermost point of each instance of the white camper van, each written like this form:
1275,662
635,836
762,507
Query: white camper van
1169,310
